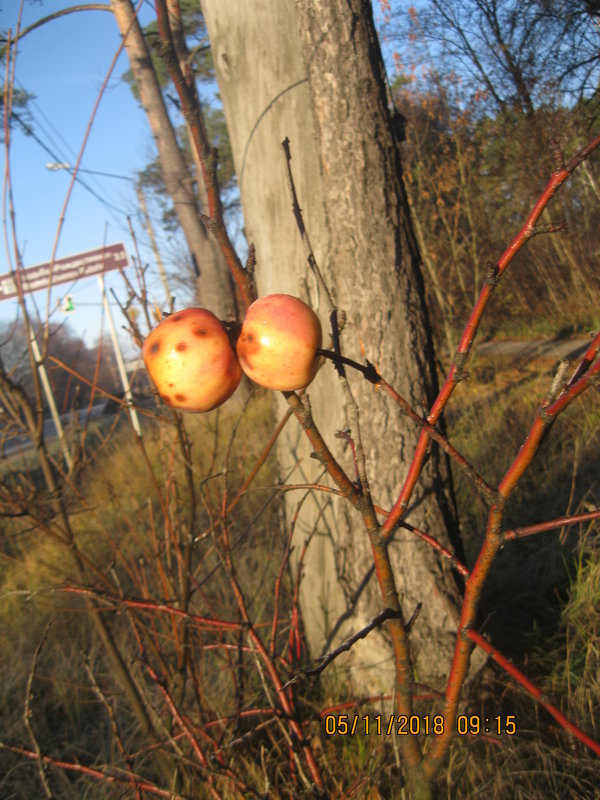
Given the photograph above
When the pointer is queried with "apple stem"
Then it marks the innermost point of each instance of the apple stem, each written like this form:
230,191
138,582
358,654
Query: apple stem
233,330
368,370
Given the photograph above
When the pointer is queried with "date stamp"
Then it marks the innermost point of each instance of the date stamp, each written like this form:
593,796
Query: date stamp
402,725
380,724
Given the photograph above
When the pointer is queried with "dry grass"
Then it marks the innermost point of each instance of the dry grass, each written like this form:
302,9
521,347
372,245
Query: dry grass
128,509
541,603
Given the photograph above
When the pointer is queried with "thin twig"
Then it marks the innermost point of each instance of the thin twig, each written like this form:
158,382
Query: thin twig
284,562
310,256
362,500
387,613
280,724
27,717
113,723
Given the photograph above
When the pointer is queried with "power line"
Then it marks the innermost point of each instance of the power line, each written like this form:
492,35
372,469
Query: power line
69,149
29,131
67,166
31,103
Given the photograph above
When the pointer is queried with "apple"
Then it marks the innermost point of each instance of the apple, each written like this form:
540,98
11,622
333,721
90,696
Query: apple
278,342
191,361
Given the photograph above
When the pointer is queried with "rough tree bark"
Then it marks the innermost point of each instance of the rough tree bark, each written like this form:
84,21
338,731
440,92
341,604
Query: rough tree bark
214,286
312,71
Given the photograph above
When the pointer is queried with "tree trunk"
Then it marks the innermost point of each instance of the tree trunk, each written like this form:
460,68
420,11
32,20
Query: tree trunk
215,290
312,71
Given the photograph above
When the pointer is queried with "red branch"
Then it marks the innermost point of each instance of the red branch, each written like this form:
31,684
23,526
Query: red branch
559,522
588,374
492,542
482,486
534,691
433,542
140,783
151,605
456,372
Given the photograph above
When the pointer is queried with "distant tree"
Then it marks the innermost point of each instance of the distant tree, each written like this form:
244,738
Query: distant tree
192,27
214,284
92,364
491,91
193,41
151,178
523,53
19,98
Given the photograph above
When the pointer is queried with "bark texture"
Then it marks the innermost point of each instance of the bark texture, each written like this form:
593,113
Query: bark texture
312,71
215,289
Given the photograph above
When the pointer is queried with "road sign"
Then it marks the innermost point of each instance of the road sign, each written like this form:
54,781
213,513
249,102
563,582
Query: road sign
64,270
67,305
69,270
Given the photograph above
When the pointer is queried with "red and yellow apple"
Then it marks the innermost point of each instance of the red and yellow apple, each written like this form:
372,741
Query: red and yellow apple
191,361
278,342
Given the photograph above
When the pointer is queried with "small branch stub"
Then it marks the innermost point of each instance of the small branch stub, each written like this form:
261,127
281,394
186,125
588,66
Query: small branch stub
368,370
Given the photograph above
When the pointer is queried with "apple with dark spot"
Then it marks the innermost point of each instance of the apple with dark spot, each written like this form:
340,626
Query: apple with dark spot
191,361
278,342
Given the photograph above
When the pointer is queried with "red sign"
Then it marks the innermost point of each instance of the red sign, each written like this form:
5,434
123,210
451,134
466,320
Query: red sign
64,270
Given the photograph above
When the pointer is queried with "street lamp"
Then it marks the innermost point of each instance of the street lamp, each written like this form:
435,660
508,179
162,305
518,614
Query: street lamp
56,165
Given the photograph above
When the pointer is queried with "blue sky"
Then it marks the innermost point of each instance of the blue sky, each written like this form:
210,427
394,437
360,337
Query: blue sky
64,64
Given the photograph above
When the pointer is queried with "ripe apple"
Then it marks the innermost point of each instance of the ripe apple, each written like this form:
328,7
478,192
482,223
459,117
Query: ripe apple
278,342
191,361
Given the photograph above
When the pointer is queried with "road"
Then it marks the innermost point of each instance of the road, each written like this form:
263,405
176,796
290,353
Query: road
542,348
18,443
